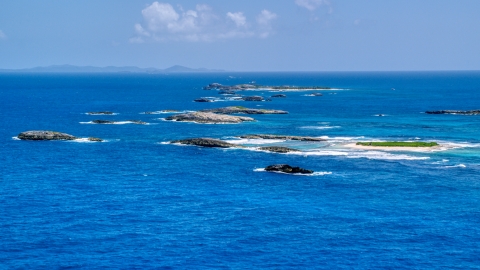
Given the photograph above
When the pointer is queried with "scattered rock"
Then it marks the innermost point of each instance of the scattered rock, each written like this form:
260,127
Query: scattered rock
472,112
278,149
240,109
206,142
253,98
207,117
100,113
94,139
287,169
279,96
44,135
282,137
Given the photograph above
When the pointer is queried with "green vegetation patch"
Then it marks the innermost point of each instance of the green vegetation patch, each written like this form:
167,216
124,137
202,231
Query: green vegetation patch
399,144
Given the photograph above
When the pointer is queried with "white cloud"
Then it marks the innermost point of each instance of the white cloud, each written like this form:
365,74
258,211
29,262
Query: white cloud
238,18
264,22
314,4
2,35
162,22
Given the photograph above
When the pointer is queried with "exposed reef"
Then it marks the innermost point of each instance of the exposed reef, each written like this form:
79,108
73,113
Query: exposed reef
281,137
208,117
240,109
45,135
472,112
285,168
279,96
206,142
278,149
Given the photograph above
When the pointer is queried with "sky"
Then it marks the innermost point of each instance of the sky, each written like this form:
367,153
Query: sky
260,35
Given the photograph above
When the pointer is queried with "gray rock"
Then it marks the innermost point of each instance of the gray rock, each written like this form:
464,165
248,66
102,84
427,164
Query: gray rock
205,142
44,135
287,169
253,98
281,137
207,117
279,96
240,109
94,139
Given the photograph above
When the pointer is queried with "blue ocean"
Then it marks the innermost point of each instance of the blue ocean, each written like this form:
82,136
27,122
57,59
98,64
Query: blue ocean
136,201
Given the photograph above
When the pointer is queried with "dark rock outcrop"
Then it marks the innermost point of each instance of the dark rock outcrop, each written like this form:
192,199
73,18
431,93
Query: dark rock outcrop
100,113
278,149
253,98
206,142
472,112
227,92
279,96
44,135
203,100
282,137
240,109
285,168
94,139
208,117
138,122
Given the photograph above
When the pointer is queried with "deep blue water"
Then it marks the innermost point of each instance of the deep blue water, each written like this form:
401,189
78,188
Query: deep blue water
133,202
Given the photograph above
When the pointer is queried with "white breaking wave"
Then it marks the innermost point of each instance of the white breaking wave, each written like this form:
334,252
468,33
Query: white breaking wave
377,155
16,138
114,123
457,166
320,127
102,114
296,174
163,112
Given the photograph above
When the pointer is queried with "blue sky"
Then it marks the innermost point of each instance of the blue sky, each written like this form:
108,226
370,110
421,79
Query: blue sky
260,35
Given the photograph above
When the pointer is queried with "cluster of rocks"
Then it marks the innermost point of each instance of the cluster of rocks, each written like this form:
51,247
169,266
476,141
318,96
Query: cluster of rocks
47,135
472,112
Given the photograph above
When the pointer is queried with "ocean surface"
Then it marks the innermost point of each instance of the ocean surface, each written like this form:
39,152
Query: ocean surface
136,201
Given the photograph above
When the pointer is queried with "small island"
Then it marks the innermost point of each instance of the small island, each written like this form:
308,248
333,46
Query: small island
240,87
